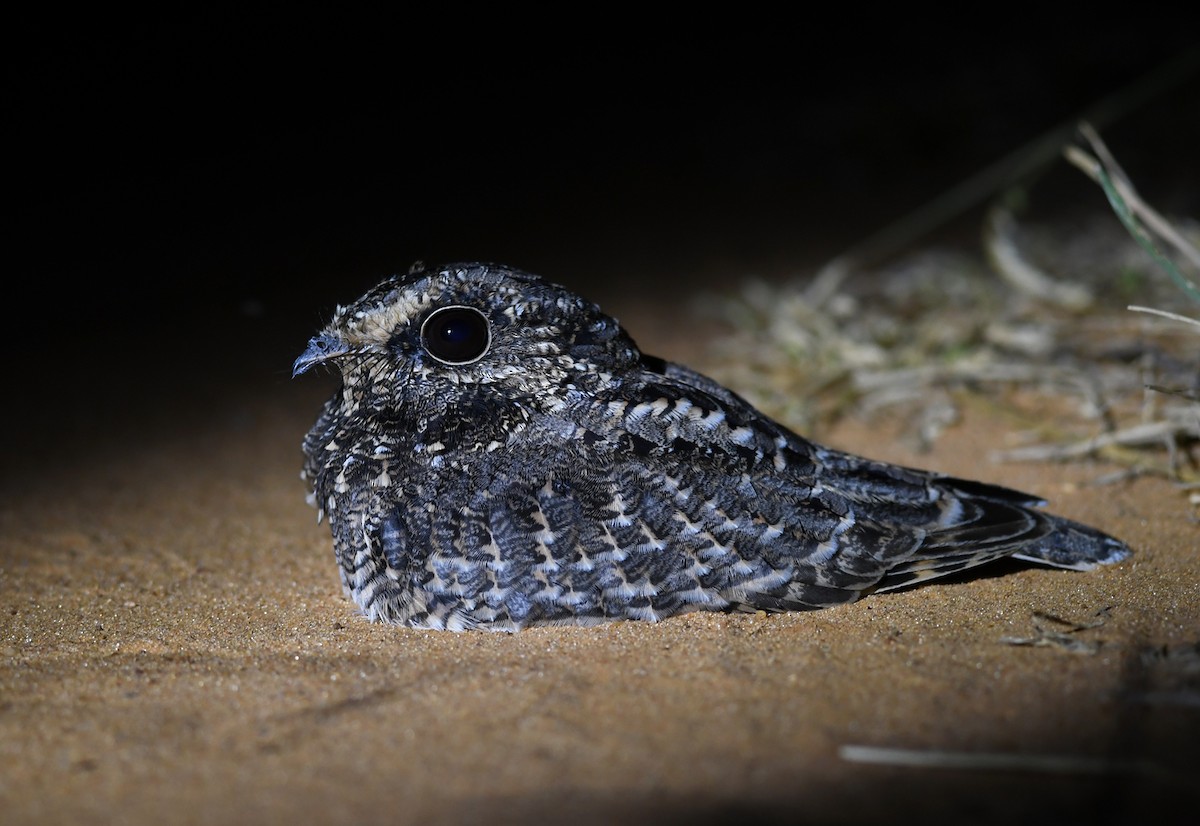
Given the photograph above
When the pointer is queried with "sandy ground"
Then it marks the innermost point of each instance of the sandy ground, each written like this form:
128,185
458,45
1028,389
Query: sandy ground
176,649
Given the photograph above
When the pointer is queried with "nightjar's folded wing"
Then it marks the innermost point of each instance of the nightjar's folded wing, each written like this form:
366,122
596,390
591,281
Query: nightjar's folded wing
844,524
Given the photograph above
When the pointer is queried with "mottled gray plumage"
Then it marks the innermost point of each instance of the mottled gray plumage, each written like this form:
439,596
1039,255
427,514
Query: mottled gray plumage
501,454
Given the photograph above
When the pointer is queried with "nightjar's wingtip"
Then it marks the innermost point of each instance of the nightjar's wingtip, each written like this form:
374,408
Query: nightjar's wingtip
1118,552
1101,549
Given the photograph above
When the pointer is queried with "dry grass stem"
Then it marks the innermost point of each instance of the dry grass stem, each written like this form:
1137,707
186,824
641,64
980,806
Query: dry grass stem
1156,223
1183,423
921,336
1164,314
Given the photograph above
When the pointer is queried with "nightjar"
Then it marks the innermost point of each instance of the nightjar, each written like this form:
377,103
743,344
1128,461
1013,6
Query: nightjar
500,454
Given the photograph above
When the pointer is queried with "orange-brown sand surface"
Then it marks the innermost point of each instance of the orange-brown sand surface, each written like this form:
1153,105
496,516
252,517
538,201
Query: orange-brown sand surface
176,648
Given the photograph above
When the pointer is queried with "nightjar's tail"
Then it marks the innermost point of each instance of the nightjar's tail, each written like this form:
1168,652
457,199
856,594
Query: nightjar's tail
978,523
1054,541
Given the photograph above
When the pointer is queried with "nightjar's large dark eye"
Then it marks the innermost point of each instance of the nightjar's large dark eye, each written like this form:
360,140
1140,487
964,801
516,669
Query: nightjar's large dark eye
456,335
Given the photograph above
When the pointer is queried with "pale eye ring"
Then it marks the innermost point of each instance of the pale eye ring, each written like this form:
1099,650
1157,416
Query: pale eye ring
456,334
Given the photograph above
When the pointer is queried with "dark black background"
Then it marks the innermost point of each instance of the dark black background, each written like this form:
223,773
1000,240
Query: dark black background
193,196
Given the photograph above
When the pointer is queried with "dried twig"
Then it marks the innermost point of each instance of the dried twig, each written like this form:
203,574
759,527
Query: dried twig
1022,274
1061,637
1141,435
990,761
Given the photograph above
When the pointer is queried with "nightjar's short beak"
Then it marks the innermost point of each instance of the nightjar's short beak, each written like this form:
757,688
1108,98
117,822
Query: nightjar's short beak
320,348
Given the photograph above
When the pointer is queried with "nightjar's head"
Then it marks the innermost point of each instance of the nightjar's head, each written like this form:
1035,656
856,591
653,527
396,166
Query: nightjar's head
426,342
